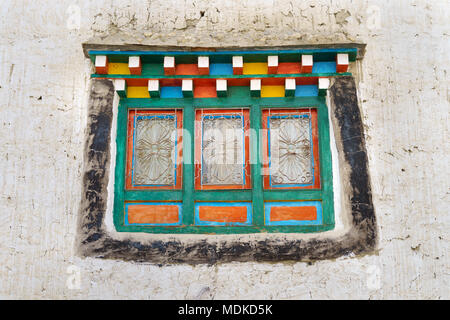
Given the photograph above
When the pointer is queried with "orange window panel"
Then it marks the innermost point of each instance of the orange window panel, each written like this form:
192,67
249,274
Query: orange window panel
152,214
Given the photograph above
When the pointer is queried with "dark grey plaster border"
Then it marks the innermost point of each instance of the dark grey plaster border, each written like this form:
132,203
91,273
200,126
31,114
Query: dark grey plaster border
94,240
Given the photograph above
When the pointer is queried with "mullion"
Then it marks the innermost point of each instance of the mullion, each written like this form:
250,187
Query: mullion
257,189
188,164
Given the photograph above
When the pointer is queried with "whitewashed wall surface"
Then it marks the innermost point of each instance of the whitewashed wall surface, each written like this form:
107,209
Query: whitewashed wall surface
403,92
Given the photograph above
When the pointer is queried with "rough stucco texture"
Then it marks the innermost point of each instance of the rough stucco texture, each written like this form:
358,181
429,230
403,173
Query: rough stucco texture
403,91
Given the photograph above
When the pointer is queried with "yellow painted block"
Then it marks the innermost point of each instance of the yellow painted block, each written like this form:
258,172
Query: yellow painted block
138,92
271,91
255,68
118,68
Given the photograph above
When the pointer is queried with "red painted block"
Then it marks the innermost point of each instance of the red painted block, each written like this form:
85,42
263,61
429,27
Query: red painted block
293,213
289,67
223,214
186,69
205,92
152,214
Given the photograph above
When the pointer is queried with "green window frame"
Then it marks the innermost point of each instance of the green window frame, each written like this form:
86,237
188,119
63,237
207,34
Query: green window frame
238,98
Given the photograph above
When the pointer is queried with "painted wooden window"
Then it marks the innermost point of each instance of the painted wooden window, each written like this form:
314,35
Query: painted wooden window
223,142
223,165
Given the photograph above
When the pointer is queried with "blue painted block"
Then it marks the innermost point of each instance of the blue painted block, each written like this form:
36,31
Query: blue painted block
324,67
171,92
306,91
220,69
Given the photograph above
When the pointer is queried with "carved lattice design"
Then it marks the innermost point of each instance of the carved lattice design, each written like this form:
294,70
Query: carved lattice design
290,150
222,150
154,153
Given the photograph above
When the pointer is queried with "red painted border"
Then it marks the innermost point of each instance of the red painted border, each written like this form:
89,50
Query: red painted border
315,138
198,146
131,114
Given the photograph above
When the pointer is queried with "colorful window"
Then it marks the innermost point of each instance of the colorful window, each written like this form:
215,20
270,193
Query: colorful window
223,146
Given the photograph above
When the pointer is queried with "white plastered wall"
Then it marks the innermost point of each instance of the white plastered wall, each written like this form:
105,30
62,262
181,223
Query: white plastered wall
403,91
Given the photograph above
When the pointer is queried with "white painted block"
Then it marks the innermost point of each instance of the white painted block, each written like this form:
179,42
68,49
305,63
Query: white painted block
100,61
272,61
255,84
324,83
203,62
221,85
187,85
153,85
342,58
134,61
169,62
238,61
290,84
307,60
119,85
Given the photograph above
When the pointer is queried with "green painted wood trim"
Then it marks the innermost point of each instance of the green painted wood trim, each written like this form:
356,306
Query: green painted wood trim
119,174
154,195
219,195
256,167
184,229
326,163
188,162
238,98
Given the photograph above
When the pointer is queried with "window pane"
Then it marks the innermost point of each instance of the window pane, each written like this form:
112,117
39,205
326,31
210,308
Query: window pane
222,149
290,148
154,149
290,137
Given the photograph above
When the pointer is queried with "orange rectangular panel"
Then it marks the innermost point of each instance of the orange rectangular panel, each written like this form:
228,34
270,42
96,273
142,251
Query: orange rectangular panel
223,214
289,68
152,214
293,213
186,69
205,92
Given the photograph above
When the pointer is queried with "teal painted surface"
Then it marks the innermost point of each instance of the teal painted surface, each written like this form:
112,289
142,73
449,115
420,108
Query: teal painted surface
238,97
